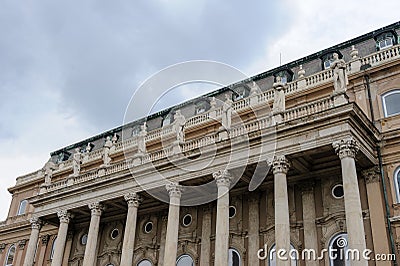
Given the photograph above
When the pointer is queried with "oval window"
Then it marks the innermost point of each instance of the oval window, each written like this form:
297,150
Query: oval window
148,227
337,191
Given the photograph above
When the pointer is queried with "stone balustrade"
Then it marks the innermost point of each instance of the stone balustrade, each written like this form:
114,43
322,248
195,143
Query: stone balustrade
308,109
264,97
382,56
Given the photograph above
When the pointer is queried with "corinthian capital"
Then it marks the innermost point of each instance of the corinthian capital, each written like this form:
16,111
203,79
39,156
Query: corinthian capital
223,178
174,189
36,223
346,148
280,165
64,216
371,175
97,208
133,199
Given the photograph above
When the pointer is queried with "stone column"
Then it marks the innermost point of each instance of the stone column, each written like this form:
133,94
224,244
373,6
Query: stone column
171,242
254,233
346,150
128,246
205,237
61,239
309,217
280,167
68,247
91,246
162,240
376,213
36,224
223,180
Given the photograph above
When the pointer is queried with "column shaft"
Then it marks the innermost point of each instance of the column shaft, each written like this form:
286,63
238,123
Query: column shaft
162,241
254,236
282,226
32,243
205,237
171,243
222,223
347,150
90,257
377,213
61,239
128,245
309,217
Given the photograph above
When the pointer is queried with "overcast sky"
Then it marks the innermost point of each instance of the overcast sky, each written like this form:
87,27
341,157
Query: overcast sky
68,68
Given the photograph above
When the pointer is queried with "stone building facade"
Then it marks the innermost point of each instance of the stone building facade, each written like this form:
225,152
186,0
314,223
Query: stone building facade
314,164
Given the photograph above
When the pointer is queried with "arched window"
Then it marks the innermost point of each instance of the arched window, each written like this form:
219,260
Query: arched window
22,207
167,120
135,130
240,92
390,102
292,255
145,263
385,40
337,250
201,107
52,248
184,260
327,59
397,183
234,258
10,256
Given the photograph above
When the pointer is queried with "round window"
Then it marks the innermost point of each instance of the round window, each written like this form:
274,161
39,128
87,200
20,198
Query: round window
187,220
148,227
84,239
337,191
114,233
232,211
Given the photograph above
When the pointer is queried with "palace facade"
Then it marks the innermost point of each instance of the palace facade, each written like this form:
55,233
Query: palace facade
305,156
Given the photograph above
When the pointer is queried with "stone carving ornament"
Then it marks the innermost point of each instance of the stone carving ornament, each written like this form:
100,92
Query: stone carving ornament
179,121
227,113
141,142
340,80
279,96
49,167
76,162
106,151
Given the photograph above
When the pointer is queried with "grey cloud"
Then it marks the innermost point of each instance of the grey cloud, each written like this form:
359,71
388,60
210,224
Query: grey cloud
96,53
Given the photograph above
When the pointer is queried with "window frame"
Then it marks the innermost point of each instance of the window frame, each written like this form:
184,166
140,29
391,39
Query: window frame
8,254
331,241
20,212
383,37
184,256
144,260
396,177
201,107
383,97
285,74
167,120
234,250
328,57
